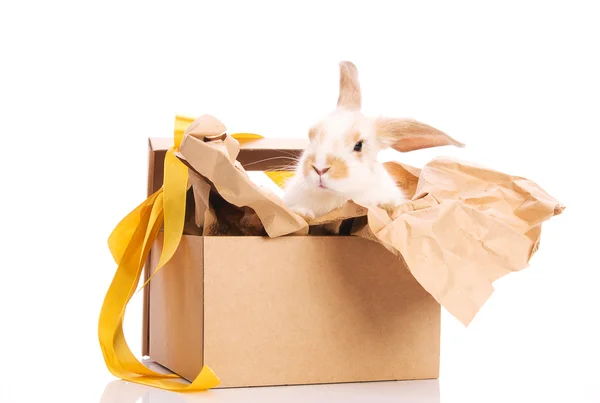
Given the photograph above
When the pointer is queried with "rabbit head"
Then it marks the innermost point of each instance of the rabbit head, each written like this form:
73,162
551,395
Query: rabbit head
341,160
342,154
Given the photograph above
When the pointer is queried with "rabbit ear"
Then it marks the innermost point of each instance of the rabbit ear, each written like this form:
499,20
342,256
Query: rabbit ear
408,135
349,97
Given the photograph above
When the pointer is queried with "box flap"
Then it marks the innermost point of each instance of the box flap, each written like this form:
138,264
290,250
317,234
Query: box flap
285,144
255,155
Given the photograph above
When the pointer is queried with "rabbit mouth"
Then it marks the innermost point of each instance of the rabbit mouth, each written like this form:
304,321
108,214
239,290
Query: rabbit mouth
321,184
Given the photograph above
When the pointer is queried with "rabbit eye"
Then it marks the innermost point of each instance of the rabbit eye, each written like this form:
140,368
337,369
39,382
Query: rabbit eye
358,146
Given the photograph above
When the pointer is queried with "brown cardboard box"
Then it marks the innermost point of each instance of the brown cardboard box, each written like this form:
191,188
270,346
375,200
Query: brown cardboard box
282,311
293,308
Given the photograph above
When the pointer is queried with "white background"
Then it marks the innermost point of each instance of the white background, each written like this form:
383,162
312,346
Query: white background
83,84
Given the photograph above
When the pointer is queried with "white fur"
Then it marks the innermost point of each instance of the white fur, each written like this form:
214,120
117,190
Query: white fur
368,182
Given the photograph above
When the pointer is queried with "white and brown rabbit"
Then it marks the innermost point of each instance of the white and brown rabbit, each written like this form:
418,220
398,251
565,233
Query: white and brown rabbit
341,161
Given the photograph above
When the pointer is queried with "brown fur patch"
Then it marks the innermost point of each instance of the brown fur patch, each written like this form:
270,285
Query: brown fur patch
405,179
351,138
339,169
308,163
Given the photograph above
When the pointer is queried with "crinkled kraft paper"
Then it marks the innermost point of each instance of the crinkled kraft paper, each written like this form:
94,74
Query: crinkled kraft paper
464,227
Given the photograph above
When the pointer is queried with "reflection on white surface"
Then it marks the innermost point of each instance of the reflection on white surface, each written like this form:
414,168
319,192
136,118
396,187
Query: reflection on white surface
426,391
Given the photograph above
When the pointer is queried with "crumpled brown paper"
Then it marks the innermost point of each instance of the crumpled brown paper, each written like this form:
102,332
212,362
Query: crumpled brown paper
465,226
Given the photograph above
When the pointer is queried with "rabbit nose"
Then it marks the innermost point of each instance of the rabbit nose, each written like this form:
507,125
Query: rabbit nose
321,171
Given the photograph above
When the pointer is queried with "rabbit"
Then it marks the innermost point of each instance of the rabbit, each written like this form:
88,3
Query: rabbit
340,163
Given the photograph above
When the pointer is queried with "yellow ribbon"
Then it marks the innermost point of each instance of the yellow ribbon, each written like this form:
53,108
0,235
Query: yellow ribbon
129,243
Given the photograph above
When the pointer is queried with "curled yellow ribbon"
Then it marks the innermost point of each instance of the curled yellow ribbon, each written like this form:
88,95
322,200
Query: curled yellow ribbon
129,244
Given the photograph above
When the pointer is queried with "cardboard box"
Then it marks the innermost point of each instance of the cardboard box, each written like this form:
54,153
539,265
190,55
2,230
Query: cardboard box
291,307
284,311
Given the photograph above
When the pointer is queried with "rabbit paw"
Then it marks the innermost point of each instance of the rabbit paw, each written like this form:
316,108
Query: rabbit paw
307,214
